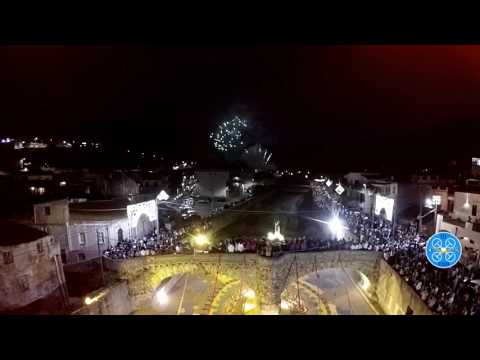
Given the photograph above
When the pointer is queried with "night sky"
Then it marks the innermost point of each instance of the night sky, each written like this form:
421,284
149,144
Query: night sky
358,106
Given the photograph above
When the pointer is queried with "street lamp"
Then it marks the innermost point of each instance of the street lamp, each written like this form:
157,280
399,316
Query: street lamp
432,203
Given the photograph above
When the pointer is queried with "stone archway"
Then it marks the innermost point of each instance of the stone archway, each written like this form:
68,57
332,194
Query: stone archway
144,226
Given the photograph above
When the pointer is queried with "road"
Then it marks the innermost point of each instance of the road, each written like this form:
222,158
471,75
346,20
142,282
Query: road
337,287
196,297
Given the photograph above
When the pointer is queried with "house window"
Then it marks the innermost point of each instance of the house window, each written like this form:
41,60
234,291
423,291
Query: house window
474,210
7,258
40,247
100,237
47,210
120,235
81,257
23,283
82,240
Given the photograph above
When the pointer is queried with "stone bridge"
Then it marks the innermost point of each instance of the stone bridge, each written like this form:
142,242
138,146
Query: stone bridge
269,277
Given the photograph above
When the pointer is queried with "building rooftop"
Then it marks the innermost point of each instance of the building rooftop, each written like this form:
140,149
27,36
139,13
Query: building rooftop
97,215
381,181
15,234
112,204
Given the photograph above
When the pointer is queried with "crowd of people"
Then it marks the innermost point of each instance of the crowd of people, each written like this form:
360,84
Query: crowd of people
159,242
449,292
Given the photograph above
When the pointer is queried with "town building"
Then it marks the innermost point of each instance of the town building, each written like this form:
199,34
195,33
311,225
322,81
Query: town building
372,193
85,229
31,272
463,218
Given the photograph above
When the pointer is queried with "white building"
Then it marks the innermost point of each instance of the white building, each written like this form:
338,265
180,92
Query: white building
464,219
372,193
86,229
31,272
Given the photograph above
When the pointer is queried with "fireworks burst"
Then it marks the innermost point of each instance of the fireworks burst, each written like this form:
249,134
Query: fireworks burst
229,136
257,157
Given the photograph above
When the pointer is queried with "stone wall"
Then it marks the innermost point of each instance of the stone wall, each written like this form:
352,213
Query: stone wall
112,300
395,296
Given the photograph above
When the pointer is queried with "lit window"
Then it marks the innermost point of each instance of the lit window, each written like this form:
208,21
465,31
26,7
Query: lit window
41,190
63,183
32,189
82,239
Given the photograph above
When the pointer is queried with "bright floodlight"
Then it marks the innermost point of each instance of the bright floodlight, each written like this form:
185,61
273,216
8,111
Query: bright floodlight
429,203
163,196
336,227
161,297
201,240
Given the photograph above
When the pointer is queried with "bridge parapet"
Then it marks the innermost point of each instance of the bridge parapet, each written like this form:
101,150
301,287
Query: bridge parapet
268,276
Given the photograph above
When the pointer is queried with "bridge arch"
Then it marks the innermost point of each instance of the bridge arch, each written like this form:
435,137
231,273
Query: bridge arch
286,268
144,274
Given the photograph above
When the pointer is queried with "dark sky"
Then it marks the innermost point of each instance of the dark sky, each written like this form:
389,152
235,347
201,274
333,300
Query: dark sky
354,105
